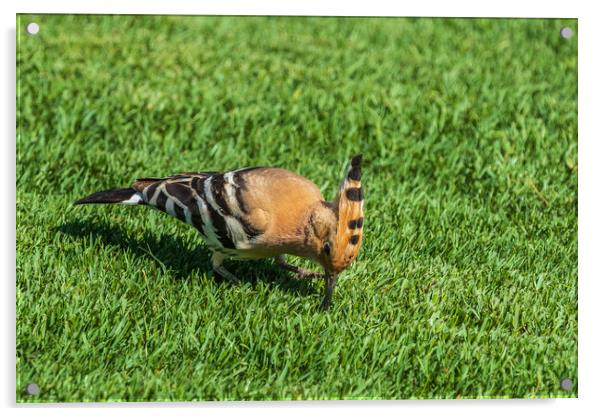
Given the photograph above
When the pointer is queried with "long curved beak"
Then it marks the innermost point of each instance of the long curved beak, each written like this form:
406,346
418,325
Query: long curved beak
330,281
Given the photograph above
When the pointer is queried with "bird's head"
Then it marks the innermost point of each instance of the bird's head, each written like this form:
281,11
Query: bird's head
336,228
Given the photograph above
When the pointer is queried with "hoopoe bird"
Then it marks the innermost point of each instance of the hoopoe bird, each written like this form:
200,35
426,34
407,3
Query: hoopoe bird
259,212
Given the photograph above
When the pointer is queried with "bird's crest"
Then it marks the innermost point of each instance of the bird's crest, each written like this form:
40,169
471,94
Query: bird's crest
350,205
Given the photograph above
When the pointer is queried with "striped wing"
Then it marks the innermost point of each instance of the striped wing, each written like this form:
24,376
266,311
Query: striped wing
209,201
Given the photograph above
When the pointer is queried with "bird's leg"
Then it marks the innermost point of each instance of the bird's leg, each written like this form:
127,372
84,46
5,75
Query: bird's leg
300,273
217,261
330,280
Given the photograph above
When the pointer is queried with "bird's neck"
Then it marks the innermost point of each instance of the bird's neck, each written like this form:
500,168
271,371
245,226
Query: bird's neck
298,240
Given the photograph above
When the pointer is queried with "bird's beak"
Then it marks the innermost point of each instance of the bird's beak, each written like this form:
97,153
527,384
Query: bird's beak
330,281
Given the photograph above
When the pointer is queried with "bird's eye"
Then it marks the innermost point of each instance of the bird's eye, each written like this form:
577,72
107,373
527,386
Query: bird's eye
327,248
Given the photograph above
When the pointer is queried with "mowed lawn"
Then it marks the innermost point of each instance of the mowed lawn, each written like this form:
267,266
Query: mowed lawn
465,287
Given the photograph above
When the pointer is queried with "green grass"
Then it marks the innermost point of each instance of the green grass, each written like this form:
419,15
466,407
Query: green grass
466,285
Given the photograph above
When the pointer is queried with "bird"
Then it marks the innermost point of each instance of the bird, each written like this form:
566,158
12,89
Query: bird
260,212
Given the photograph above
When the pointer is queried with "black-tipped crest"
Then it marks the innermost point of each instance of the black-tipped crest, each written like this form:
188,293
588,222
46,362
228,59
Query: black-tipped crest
355,173
349,203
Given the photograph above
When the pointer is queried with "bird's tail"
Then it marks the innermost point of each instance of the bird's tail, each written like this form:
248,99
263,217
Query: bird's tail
127,196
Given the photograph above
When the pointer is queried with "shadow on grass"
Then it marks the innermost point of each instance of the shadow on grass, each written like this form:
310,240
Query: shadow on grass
181,262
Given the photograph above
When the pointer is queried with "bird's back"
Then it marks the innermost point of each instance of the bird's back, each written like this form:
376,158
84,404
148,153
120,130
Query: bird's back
245,213
280,200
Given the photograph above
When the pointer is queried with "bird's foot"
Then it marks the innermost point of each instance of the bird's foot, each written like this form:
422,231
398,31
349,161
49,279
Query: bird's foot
299,272
222,271
302,273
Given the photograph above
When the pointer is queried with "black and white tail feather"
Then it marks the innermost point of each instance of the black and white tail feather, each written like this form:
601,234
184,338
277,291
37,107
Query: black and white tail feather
209,201
127,196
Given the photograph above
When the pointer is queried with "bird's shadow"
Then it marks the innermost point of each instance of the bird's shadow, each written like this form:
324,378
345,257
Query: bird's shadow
172,254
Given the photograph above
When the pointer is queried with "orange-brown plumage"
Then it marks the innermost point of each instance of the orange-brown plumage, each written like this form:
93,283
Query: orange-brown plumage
350,218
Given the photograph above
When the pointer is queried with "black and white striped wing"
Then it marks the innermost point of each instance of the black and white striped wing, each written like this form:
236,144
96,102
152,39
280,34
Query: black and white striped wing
209,201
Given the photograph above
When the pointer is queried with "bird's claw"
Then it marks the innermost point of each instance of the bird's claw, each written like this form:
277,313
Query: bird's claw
307,274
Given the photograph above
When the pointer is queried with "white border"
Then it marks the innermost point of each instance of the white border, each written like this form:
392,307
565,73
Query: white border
590,157
507,8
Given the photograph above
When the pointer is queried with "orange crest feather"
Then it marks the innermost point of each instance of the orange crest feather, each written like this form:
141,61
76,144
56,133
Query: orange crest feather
350,204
